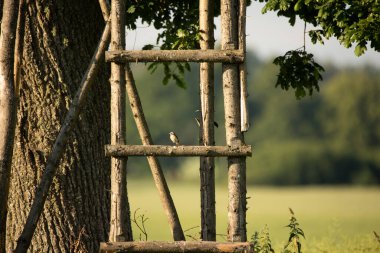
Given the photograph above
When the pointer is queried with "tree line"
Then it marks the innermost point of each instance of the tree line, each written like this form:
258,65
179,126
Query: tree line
332,137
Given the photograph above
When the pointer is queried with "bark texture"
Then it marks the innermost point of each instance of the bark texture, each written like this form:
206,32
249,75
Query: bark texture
207,164
177,247
120,222
234,136
60,38
231,56
60,143
8,108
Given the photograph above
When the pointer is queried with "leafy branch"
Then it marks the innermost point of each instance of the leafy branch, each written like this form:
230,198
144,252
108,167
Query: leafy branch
299,71
178,23
351,22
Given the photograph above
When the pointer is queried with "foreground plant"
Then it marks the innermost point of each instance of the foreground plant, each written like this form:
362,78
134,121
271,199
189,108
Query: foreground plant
294,241
262,241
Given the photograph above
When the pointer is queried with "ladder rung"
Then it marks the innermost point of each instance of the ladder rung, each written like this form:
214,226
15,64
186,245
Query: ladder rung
162,150
225,56
177,247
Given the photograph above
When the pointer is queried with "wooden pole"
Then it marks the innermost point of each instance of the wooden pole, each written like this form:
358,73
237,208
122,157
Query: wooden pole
120,223
177,247
243,68
161,150
8,107
122,56
143,129
155,166
231,91
19,45
207,164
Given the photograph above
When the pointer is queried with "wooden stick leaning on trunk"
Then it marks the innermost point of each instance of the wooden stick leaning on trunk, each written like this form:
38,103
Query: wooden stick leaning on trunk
8,107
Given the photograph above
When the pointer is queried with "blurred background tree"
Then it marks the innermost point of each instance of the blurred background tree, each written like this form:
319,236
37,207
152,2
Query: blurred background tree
331,137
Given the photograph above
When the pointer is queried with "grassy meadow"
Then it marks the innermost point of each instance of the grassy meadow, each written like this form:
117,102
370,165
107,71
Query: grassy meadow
334,219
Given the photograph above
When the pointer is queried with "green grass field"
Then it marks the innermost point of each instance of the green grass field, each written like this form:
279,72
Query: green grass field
334,219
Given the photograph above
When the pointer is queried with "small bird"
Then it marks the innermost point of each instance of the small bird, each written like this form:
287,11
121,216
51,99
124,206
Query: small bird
174,138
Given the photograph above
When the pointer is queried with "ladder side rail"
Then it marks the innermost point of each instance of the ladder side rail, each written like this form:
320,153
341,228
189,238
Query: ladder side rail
120,222
231,92
206,130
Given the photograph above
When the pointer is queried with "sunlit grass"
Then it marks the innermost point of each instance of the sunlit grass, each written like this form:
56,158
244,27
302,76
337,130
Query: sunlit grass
333,218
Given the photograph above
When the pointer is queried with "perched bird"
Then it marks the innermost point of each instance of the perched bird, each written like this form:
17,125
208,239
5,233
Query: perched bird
174,138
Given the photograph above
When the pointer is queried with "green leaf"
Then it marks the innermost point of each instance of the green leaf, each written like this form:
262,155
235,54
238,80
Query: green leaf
297,6
299,71
148,47
360,49
179,81
181,33
153,67
166,79
131,9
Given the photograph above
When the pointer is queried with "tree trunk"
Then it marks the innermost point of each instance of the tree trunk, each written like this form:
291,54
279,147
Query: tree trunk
59,40
7,108
231,92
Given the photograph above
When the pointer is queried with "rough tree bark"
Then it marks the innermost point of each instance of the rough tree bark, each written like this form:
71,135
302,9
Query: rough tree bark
207,164
8,108
120,222
234,136
59,40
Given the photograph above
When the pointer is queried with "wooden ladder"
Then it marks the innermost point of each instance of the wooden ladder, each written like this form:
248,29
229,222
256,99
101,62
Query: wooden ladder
232,56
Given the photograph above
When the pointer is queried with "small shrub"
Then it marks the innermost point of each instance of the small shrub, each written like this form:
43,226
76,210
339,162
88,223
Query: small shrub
262,242
294,241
